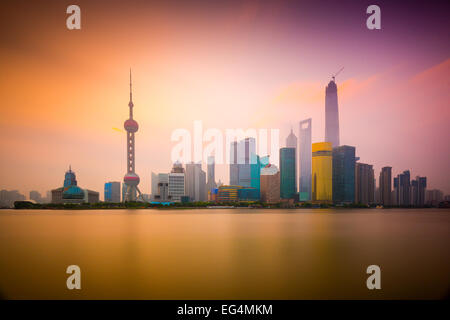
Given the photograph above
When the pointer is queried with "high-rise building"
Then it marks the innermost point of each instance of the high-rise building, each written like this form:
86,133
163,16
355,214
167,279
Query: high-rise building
242,156
402,188
195,182
270,184
211,180
36,196
385,186
154,185
344,174
177,182
292,142
364,184
305,160
131,179
112,191
331,114
322,172
418,190
257,163
234,168
433,197
287,173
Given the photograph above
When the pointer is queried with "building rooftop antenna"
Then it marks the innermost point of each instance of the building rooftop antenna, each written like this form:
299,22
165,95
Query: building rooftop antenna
334,75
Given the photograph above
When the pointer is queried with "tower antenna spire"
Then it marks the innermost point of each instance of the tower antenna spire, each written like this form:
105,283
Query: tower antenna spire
131,92
334,75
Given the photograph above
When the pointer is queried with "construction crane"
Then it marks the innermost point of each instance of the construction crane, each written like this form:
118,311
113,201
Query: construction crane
334,76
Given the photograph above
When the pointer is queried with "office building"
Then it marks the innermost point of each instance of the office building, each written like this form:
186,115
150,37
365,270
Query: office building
177,182
418,191
331,114
195,182
344,174
112,191
270,184
364,184
385,186
287,173
322,172
305,156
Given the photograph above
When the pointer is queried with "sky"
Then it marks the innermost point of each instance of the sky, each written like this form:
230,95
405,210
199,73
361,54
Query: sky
230,64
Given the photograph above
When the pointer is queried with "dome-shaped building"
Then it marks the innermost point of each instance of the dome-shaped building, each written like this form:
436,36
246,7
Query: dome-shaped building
70,192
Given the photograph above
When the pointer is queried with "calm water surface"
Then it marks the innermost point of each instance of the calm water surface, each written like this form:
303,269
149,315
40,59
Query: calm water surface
225,253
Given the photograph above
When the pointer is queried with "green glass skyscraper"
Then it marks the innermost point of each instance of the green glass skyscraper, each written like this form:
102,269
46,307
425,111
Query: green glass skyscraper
344,174
287,173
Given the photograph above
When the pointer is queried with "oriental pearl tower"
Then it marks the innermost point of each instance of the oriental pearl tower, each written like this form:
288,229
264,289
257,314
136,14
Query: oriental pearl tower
131,179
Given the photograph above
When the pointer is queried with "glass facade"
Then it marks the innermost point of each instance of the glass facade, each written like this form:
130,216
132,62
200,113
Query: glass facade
287,173
322,172
344,174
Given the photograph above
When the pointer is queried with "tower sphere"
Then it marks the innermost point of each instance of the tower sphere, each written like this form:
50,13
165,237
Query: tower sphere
131,179
130,125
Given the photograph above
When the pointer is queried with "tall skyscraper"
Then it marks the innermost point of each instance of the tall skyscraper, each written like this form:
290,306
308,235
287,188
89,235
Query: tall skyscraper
287,173
292,142
112,191
418,191
211,180
305,160
257,163
322,172
331,114
234,168
195,182
177,182
385,186
154,185
402,188
241,154
131,179
270,184
344,174
364,184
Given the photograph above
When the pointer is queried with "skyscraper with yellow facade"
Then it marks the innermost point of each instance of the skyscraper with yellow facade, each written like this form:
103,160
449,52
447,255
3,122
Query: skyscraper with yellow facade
322,172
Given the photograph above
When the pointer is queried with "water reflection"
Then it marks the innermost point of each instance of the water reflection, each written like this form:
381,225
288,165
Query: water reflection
225,254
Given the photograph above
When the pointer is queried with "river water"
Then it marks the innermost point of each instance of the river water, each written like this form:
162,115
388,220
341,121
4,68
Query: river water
225,253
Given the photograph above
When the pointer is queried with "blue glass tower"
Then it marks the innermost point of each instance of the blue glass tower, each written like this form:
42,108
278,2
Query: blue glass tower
287,173
344,174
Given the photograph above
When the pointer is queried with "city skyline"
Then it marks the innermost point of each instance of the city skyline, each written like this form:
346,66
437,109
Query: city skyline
57,110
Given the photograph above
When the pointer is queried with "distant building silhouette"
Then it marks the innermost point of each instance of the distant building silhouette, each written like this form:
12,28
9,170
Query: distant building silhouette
385,186
402,189
331,114
36,197
305,155
344,174
322,172
211,169
418,191
364,183
195,182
